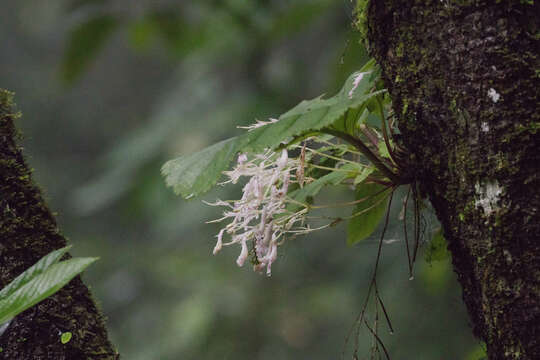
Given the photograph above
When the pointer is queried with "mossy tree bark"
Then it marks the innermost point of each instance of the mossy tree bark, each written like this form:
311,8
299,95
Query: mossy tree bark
28,231
463,77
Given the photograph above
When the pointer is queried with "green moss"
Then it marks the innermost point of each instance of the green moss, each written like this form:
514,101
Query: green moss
405,107
28,231
423,46
400,50
361,18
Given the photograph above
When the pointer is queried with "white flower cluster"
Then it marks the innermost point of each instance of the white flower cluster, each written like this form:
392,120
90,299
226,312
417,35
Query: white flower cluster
260,216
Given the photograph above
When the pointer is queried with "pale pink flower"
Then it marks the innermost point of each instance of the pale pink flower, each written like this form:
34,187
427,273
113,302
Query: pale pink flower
260,216
219,243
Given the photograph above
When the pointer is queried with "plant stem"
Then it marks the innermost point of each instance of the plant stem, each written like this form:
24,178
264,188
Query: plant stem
366,152
385,131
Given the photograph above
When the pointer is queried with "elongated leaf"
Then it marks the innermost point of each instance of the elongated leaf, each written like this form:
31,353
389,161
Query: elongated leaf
41,287
383,150
84,44
369,212
43,264
192,175
363,175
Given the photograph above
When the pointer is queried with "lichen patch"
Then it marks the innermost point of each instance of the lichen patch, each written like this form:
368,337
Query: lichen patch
493,95
487,196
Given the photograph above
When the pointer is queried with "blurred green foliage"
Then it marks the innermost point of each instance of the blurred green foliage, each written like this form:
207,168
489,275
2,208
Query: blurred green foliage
84,43
437,248
166,78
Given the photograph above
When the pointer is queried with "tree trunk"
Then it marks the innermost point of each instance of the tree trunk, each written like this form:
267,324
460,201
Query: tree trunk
463,77
28,231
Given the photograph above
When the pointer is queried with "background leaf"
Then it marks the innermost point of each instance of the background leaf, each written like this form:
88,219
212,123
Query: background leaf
41,287
437,248
362,226
78,4
84,45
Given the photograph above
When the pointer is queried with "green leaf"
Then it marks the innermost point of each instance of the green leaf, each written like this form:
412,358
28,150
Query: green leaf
369,213
383,150
39,267
192,175
308,116
66,337
333,178
351,119
84,44
363,175
477,353
437,248
41,286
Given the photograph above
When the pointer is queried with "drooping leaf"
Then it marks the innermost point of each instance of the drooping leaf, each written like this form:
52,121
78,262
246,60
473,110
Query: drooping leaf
84,44
39,267
368,213
192,175
41,286
437,248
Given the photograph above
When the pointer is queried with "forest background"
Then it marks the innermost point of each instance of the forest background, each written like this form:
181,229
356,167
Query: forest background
109,90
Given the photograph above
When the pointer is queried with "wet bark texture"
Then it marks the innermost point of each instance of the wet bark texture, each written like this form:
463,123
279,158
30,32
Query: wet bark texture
463,77
28,231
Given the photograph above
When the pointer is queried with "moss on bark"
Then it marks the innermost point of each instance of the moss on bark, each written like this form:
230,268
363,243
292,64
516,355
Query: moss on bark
463,76
28,231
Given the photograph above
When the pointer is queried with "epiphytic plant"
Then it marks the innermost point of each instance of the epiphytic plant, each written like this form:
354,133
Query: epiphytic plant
347,139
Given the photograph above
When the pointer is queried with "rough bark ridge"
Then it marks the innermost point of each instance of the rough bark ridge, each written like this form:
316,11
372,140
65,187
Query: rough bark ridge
28,231
464,83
